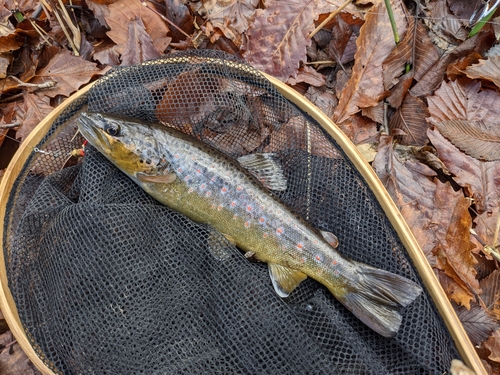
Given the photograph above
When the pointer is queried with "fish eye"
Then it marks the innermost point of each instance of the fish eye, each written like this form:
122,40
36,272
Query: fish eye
112,129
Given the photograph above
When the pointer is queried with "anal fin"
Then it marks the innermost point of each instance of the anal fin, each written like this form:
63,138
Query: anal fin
285,279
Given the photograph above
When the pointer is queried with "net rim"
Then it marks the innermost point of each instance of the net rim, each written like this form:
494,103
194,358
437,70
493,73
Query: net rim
462,342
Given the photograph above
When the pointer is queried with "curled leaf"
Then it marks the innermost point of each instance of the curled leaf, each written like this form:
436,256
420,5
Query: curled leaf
486,69
476,138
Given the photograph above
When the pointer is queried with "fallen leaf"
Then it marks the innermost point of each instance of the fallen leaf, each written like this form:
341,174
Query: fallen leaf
414,43
476,138
308,75
480,177
491,293
323,99
360,129
486,224
30,112
454,291
493,345
464,99
68,71
230,16
339,38
410,118
375,42
13,361
431,80
477,323
177,12
278,38
445,24
139,47
486,69
122,11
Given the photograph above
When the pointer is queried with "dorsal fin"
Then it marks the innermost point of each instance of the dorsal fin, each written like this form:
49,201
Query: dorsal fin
267,170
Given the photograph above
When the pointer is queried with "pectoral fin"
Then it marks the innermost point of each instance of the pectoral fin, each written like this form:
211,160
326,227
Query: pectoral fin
330,238
284,279
266,169
161,178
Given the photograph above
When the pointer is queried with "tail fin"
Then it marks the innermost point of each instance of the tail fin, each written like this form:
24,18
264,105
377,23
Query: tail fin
375,298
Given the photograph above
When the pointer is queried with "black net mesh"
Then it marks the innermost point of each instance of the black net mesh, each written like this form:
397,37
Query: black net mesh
108,281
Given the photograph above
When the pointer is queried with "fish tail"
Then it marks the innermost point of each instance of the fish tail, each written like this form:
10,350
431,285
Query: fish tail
376,297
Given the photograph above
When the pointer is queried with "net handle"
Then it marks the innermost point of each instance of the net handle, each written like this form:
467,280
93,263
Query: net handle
425,271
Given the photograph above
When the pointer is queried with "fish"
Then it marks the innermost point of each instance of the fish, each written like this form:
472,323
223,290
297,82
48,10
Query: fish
235,197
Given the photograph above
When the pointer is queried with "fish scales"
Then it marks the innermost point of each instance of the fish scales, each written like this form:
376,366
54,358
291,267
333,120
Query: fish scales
233,197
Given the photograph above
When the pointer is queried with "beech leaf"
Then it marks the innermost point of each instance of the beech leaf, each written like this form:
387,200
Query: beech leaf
477,323
493,345
410,118
486,69
414,43
278,38
491,292
482,178
475,138
33,109
121,12
139,46
375,42
68,71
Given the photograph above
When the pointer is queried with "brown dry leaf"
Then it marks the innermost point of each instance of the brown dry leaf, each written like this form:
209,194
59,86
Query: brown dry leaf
68,71
486,69
486,224
230,16
308,75
455,292
323,99
481,178
375,42
277,40
139,46
491,292
30,112
476,138
444,24
177,12
123,11
464,99
477,322
493,345
431,80
360,129
13,361
426,54
410,118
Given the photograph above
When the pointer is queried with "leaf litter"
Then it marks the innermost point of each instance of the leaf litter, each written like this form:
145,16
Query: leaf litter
426,110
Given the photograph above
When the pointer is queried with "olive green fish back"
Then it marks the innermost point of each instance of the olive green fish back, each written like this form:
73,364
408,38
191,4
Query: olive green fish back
106,280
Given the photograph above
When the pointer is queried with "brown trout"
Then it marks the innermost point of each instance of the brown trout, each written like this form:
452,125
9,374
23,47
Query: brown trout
233,197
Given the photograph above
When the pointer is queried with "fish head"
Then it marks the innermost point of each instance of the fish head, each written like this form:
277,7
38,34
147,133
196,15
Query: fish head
127,143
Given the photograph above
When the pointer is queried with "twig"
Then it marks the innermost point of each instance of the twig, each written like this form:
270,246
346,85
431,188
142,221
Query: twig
320,62
165,19
10,126
77,37
37,86
329,18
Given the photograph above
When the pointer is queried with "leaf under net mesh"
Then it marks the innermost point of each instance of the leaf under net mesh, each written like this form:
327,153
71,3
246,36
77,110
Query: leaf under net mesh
108,281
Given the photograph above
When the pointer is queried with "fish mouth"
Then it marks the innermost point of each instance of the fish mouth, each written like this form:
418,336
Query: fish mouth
92,132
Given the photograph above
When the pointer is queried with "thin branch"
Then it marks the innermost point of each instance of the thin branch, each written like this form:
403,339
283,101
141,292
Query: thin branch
329,18
10,126
36,86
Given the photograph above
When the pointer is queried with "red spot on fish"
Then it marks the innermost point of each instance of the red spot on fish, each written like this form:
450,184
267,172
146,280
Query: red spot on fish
187,177
233,204
176,156
262,220
219,208
336,272
279,230
247,224
224,189
213,205
250,192
208,193
334,262
203,186
213,179
264,235
300,246
190,190
212,166
179,169
302,260
249,208
198,171
318,257
235,216
261,207
239,188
